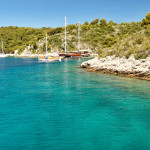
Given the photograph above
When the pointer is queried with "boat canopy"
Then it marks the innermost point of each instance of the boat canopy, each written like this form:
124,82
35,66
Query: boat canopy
85,50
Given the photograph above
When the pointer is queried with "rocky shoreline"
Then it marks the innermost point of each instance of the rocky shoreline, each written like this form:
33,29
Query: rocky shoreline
120,66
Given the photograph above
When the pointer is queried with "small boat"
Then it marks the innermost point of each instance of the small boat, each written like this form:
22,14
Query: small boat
86,55
49,58
2,54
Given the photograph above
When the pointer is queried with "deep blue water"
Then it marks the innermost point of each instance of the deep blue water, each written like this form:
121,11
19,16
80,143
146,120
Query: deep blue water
58,106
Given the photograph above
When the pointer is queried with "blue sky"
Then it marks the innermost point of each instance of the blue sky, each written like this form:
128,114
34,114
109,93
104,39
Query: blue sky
51,13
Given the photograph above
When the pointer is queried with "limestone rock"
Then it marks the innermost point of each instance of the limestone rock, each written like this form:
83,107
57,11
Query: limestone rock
116,65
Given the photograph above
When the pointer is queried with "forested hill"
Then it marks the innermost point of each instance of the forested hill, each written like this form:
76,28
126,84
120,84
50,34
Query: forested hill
102,37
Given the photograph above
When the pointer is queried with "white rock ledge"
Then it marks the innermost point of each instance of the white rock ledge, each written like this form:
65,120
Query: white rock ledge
120,66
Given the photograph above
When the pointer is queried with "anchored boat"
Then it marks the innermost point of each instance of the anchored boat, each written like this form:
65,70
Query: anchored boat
49,58
74,54
2,54
65,54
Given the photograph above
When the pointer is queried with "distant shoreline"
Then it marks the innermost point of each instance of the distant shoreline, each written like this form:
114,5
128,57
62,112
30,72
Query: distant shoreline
42,55
27,56
120,66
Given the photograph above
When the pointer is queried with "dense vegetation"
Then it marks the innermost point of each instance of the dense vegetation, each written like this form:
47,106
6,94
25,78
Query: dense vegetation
18,38
102,37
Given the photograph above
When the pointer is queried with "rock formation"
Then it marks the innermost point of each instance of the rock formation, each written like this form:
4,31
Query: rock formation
120,66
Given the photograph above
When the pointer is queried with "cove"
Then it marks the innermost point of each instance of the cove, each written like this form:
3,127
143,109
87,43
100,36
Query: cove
58,106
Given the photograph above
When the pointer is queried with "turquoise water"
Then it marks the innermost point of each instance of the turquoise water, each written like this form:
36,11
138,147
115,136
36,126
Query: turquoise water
58,106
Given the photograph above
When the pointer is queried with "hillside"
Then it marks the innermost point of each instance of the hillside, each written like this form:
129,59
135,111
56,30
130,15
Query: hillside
99,36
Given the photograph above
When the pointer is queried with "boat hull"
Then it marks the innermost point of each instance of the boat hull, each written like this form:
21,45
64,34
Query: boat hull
49,59
75,54
65,55
85,55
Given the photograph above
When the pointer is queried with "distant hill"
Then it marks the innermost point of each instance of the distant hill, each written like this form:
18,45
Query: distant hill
99,36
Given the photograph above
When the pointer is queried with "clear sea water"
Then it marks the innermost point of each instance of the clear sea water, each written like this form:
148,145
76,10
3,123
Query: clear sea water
58,106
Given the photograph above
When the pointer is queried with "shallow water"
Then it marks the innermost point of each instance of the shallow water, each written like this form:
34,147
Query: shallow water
58,106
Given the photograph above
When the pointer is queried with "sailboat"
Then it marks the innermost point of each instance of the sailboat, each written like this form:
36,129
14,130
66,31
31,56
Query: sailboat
77,53
2,54
47,58
65,54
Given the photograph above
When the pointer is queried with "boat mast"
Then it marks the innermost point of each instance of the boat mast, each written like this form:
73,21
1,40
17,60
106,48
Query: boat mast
2,46
78,36
65,35
46,44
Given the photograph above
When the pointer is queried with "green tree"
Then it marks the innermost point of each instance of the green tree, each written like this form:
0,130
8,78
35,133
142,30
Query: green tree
94,22
86,23
109,41
103,22
71,27
100,53
85,27
146,21
111,23
58,30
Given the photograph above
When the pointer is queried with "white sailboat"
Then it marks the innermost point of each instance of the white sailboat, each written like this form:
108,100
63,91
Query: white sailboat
2,54
47,58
